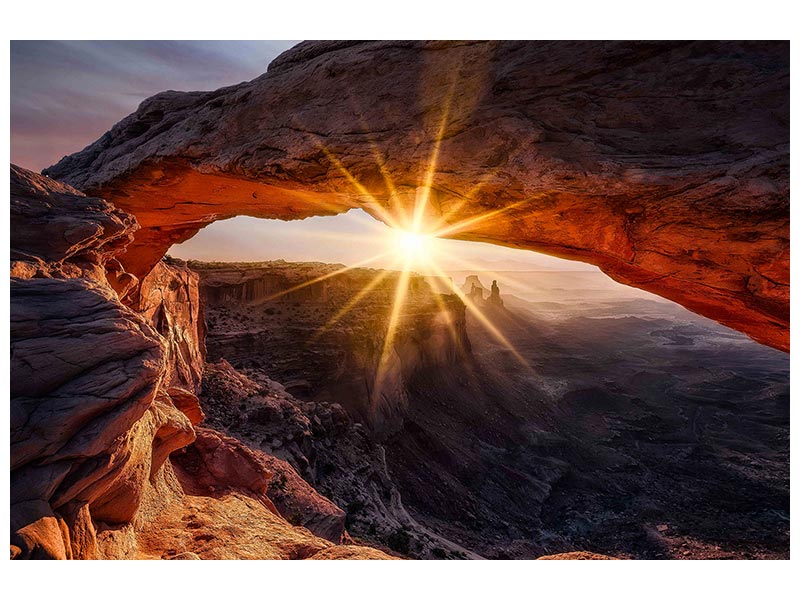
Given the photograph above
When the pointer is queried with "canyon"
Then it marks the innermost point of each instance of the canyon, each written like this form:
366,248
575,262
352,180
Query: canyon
302,341
227,394
586,446
164,409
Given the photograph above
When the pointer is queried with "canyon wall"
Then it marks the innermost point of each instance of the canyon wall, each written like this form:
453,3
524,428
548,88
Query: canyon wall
286,319
666,164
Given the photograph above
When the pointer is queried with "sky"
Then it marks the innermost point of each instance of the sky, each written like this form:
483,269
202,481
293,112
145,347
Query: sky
350,238
66,94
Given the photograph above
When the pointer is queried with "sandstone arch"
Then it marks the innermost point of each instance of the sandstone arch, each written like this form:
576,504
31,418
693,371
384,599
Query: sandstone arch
665,164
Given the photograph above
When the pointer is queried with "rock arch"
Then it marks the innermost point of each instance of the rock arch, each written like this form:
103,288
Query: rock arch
665,164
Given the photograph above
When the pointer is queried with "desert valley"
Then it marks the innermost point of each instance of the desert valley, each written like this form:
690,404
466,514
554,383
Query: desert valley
585,445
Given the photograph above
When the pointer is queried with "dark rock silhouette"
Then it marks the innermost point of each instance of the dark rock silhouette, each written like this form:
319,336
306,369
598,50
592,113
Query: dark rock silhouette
494,298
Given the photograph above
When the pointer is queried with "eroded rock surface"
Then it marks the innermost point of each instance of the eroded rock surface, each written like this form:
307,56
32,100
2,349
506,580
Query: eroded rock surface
664,163
169,298
217,464
317,445
86,415
59,231
102,395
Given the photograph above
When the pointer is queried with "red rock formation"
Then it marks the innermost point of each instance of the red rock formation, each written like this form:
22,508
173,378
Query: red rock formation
169,298
665,164
186,402
59,232
87,418
233,526
95,409
216,464
177,523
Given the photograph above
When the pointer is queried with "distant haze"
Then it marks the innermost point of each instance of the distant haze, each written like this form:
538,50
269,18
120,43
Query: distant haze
349,238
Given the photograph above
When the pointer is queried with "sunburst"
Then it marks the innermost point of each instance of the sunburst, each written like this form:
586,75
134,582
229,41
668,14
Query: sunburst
413,243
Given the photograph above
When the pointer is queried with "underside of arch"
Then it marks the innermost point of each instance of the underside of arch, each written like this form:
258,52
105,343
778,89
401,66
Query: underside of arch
665,164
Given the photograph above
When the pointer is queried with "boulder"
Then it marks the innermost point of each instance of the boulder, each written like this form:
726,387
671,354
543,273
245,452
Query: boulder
216,464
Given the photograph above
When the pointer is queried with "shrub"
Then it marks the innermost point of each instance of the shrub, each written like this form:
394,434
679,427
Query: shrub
399,541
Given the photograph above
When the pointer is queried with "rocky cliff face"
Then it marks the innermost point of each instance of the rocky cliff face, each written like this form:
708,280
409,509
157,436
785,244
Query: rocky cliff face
285,319
328,452
664,163
168,297
101,396
86,404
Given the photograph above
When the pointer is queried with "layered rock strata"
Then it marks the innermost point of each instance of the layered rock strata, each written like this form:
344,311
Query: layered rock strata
102,395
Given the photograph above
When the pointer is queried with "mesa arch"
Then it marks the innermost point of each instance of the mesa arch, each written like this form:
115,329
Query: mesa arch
665,164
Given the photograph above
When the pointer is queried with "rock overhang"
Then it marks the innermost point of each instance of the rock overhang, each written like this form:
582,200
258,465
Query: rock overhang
665,164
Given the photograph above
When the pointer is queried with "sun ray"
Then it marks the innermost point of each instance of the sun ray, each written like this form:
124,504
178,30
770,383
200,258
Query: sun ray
357,109
463,199
421,201
305,284
413,241
445,309
484,320
518,284
387,178
400,293
462,225
466,265
384,214
374,282
380,161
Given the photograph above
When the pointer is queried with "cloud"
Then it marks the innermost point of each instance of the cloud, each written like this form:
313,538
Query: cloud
66,94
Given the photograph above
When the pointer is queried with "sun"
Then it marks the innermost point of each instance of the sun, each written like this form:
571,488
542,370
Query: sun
414,242
412,247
